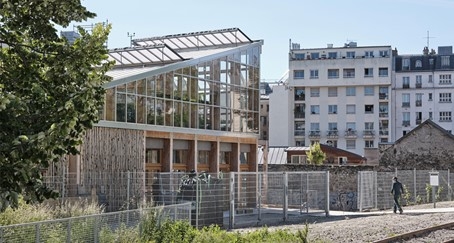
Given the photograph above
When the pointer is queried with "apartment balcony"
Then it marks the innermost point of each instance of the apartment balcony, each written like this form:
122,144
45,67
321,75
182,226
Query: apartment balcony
350,133
383,96
418,85
300,115
314,134
332,134
383,114
405,123
300,133
384,133
418,103
368,134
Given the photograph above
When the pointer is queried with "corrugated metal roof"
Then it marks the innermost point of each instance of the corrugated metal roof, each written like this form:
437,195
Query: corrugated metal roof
275,155
298,149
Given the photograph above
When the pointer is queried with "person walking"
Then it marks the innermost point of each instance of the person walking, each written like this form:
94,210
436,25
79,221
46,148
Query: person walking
397,190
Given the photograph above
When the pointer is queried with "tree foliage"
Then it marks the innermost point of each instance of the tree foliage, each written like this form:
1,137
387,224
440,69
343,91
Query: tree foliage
315,155
50,91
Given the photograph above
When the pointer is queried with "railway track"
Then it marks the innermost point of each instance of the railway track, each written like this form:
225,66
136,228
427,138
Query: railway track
418,234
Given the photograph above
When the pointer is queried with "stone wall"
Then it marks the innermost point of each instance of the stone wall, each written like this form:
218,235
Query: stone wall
424,148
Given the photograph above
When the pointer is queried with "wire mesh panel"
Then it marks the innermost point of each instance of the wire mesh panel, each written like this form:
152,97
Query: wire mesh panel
108,227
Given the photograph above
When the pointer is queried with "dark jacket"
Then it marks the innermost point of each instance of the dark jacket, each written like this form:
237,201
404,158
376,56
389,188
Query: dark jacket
397,188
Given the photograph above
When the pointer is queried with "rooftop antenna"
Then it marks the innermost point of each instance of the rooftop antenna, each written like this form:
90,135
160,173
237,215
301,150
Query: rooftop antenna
130,38
428,37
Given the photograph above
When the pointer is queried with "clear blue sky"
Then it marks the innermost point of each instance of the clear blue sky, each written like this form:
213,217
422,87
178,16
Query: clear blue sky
403,24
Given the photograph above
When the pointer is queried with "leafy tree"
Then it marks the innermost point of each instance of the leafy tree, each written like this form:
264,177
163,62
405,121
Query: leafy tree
50,91
315,155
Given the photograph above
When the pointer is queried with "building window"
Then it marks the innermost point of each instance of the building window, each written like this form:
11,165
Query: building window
405,119
300,56
224,157
383,109
368,72
299,128
383,93
267,108
203,157
418,81
332,109
332,92
405,64
298,159
349,73
315,129
180,156
314,73
332,55
418,100
244,157
445,78
350,54
430,115
351,91
333,73
369,109
445,61
445,116
369,54
418,117
431,79
299,93
369,143
369,91
430,96
315,55
351,109
418,64
351,144
383,72
300,110
405,82
384,53
405,100
263,120
298,74
445,97
300,142
154,156
315,109
315,92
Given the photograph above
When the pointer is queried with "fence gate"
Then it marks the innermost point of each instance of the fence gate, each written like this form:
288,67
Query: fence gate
367,184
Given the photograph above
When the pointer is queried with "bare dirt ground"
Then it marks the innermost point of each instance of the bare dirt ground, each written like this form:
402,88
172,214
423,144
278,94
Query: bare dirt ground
369,228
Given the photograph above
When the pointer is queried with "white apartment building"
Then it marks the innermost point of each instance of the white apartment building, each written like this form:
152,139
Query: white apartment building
338,96
423,90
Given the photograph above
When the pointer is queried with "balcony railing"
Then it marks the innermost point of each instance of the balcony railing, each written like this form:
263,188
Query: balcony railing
383,96
332,134
300,132
350,133
384,132
418,85
405,123
405,104
368,133
300,115
418,103
383,114
314,134
418,121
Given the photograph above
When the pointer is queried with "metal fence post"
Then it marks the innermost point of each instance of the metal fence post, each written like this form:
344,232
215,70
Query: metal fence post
360,192
449,187
232,200
414,184
197,203
327,195
68,231
37,233
375,189
285,206
259,196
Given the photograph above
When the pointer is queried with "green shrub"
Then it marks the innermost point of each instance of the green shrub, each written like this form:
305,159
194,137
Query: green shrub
214,234
407,195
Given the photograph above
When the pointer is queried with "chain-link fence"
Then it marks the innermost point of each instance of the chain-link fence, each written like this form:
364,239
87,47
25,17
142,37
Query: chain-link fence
235,199
106,227
374,188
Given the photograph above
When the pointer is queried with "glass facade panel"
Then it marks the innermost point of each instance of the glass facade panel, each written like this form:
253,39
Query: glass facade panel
220,94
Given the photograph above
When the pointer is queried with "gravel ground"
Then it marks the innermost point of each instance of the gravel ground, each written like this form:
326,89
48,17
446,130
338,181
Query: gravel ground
376,227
